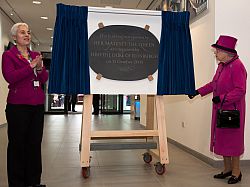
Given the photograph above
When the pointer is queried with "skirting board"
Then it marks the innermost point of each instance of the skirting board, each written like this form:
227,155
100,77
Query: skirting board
3,125
213,163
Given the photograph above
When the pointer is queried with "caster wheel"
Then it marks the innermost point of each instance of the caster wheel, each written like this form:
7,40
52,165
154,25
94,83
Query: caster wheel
160,168
85,172
147,158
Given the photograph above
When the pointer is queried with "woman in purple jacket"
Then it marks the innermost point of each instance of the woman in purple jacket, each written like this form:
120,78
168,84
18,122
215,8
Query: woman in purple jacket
228,84
24,71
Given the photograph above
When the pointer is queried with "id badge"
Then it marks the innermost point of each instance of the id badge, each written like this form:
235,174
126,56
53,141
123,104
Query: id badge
36,83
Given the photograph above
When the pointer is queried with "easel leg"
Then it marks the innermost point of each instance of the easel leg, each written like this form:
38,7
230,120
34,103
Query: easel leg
161,122
86,130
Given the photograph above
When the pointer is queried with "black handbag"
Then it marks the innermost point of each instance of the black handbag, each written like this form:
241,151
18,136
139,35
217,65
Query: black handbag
228,118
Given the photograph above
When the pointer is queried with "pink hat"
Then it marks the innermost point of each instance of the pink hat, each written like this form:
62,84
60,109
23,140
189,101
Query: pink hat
226,43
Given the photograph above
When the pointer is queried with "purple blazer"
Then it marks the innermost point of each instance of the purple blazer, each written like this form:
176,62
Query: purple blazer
20,76
229,82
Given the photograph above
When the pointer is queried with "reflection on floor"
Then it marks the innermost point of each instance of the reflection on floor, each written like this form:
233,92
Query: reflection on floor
61,165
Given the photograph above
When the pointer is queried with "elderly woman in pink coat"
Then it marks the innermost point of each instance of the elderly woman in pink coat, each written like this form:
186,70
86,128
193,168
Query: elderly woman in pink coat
228,85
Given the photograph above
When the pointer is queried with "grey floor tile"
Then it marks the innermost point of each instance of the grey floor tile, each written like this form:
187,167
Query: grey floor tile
126,168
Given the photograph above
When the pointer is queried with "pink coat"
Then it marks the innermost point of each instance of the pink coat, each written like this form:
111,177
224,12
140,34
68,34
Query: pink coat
230,82
20,76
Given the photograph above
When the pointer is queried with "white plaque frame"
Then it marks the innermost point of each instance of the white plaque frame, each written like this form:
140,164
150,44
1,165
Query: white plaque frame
139,18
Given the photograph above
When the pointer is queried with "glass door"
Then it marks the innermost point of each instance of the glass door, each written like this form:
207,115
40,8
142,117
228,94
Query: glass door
112,104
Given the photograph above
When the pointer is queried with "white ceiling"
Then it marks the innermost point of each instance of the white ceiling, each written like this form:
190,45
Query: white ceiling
26,11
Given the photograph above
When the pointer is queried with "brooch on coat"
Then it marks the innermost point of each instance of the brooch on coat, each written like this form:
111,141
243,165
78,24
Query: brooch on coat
20,56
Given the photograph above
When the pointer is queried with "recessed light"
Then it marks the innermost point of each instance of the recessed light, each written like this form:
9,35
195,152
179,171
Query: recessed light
44,17
37,2
49,29
12,12
51,37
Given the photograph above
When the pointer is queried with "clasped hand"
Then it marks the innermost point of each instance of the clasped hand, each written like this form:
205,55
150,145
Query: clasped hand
37,62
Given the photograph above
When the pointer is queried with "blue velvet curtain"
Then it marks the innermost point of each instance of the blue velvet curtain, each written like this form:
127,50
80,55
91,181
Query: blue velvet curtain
69,70
175,69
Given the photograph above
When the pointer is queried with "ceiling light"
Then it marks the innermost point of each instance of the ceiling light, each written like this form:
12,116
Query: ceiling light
37,2
44,17
12,12
51,37
49,29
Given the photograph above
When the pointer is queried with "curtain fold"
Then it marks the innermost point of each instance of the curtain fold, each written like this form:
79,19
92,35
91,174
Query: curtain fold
175,69
69,69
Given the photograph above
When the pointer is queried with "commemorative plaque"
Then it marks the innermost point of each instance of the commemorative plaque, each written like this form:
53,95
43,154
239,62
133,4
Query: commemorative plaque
124,53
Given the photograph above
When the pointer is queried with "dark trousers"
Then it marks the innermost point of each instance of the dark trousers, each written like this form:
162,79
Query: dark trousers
25,131
96,98
73,101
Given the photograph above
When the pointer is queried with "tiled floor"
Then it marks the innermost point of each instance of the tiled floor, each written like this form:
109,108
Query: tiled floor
61,165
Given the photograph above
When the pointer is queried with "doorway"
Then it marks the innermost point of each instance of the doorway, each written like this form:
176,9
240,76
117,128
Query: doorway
115,104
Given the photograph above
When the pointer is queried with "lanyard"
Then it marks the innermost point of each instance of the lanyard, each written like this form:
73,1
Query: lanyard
29,60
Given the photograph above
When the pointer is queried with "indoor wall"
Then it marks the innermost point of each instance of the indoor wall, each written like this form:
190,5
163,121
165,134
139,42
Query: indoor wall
5,26
234,20
188,121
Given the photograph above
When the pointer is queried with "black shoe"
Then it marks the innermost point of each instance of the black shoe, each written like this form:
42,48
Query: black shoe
223,175
73,110
233,179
